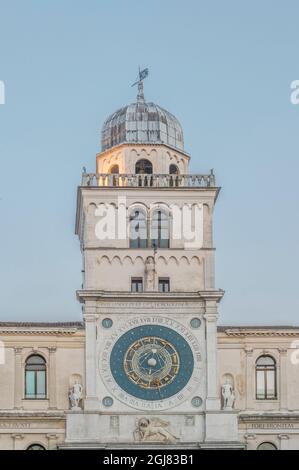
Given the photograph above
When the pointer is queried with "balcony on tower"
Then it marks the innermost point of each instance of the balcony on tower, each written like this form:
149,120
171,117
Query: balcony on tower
148,180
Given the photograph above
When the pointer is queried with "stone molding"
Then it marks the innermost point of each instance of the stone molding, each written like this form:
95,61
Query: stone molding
257,332
36,331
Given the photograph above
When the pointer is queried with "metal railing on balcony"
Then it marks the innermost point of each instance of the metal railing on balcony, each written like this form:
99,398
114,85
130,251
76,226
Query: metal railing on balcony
148,181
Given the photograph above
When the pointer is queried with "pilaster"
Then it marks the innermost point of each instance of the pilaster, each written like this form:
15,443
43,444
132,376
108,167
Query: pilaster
211,317
18,378
90,317
52,378
249,378
283,380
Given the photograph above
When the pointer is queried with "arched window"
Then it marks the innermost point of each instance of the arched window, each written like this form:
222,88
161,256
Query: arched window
35,377
35,447
138,229
267,446
143,167
174,172
266,378
160,229
115,171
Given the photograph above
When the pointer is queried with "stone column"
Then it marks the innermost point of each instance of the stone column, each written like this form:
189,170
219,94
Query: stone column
52,385
16,441
283,380
250,379
250,441
52,444
91,401
211,316
19,374
284,441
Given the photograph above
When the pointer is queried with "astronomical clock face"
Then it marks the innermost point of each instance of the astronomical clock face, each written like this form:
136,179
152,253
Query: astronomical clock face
152,365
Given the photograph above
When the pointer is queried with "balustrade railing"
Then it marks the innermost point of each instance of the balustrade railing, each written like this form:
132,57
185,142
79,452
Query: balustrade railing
148,181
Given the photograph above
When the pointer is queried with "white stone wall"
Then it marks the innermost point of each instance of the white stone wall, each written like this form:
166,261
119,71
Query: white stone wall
259,421
126,156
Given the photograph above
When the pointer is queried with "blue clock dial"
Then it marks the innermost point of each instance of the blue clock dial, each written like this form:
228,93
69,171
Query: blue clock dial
151,362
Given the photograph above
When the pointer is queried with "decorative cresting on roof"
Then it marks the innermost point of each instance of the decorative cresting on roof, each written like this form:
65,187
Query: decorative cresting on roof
142,123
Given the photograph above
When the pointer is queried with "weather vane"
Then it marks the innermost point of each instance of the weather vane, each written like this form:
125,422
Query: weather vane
142,74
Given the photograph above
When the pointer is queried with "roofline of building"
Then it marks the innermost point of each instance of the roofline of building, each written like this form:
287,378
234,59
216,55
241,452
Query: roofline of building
80,325
256,327
74,324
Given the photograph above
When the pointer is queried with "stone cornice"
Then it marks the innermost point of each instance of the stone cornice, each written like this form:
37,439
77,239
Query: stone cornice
53,329
12,414
150,296
260,332
268,417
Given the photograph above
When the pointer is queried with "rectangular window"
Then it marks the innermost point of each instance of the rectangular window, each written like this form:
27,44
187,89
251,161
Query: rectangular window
30,384
271,384
136,284
164,284
35,384
40,384
260,385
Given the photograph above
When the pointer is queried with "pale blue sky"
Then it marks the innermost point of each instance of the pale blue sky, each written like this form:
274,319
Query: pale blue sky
224,68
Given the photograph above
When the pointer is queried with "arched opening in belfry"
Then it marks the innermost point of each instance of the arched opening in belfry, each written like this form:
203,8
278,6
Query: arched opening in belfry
115,171
143,167
174,172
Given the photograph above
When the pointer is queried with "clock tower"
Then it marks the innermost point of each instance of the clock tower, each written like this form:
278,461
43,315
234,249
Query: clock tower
148,294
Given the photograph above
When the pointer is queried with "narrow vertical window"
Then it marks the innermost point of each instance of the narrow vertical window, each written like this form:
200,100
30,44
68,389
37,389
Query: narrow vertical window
138,229
160,229
266,378
35,377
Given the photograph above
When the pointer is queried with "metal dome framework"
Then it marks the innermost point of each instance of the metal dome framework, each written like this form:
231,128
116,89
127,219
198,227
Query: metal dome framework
142,122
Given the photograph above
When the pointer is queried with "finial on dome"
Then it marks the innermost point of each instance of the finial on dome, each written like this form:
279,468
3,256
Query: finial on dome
142,74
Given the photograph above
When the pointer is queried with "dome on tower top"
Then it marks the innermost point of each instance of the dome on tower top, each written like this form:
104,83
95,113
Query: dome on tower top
142,123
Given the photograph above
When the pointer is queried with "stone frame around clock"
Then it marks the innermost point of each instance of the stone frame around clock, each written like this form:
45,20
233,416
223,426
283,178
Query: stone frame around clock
139,404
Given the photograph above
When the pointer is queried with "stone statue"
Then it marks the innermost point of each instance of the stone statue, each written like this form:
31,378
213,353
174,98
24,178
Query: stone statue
228,395
75,395
154,430
150,272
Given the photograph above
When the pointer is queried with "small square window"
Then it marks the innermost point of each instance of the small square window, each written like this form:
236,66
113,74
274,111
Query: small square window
164,284
136,284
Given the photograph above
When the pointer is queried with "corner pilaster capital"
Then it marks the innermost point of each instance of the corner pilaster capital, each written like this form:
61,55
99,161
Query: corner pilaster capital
283,351
90,317
90,308
18,350
52,436
283,437
52,349
211,317
248,351
250,437
17,436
